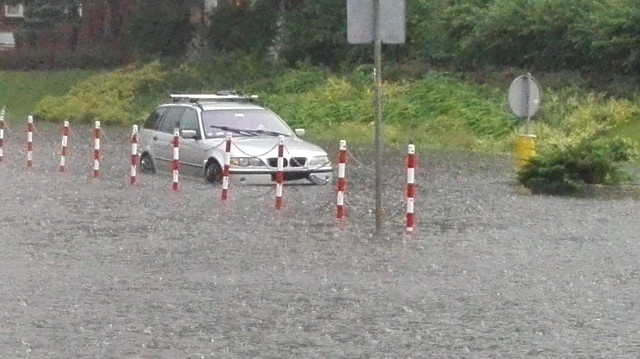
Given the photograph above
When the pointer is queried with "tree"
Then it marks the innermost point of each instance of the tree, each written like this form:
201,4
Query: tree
316,31
243,27
160,27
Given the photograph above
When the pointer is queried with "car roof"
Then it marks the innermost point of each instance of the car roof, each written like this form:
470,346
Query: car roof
219,105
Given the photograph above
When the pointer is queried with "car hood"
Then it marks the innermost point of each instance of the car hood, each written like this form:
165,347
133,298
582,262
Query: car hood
268,146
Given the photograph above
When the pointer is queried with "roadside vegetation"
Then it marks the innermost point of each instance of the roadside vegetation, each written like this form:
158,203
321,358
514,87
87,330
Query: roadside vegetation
445,88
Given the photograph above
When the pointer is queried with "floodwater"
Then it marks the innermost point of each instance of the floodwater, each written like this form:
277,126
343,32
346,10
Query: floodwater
96,268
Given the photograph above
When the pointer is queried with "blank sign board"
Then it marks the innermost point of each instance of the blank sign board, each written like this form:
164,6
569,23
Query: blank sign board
525,96
360,21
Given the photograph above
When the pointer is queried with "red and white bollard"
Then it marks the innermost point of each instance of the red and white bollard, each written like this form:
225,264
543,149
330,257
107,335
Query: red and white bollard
97,132
134,155
342,183
225,169
30,129
411,189
1,137
63,150
175,164
280,172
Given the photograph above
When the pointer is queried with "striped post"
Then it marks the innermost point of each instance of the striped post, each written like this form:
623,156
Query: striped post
1,137
225,169
342,184
97,132
30,129
63,150
175,164
411,189
134,155
280,172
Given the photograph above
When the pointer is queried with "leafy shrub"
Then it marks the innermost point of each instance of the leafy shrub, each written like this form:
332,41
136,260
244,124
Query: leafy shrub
478,108
114,98
581,150
568,170
227,70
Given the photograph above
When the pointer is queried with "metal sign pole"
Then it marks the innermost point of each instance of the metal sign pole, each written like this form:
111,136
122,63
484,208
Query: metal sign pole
378,105
526,93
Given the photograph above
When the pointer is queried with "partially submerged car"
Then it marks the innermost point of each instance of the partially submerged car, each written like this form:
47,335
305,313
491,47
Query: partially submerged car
204,121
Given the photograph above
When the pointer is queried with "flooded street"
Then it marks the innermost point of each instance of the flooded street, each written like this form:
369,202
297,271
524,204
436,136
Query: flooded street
96,268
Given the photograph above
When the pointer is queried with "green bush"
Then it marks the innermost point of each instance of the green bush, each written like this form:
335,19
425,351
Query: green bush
582,148
567,170
118,97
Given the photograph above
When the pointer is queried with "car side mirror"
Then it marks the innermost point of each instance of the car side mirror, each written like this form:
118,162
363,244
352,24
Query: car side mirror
189,134
300,132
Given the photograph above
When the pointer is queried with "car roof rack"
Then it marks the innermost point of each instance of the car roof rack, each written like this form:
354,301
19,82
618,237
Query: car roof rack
219,96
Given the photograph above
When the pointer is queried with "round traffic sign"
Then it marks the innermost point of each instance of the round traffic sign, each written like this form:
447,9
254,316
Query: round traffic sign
525,96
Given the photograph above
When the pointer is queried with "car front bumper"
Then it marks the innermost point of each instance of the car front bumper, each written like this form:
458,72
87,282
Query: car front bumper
318,177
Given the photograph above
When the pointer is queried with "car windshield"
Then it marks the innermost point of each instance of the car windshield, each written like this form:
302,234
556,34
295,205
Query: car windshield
244,122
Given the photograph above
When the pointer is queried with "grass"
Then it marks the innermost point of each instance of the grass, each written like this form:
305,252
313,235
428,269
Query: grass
21,91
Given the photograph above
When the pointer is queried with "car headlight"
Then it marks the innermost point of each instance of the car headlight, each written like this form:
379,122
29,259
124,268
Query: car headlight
246,162
318,161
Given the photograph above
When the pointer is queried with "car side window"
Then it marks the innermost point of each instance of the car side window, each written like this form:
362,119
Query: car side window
190,120
152,121
171,119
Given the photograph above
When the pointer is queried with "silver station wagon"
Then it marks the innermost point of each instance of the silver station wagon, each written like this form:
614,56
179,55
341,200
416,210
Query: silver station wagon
204,121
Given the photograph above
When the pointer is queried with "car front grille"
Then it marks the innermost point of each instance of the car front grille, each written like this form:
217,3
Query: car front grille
293,162
291,176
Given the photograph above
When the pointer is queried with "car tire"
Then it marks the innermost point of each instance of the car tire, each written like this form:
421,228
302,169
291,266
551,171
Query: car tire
213,172
146,164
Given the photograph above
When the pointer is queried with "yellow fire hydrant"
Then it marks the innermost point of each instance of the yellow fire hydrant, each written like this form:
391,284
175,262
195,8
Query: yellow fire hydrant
525,149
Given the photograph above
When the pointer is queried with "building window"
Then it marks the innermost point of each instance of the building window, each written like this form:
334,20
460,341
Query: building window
14,10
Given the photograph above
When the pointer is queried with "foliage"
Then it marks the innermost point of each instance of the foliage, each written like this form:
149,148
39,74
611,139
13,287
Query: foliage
582,149
249,29
117,97
478,109
316,31
568,169
228,70
612,31
160,27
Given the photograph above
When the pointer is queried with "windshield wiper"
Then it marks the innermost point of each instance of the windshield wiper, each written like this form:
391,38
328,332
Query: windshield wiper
234,129
268,132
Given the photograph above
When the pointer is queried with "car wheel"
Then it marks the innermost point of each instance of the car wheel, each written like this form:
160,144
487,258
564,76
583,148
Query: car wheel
146,164
213,172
